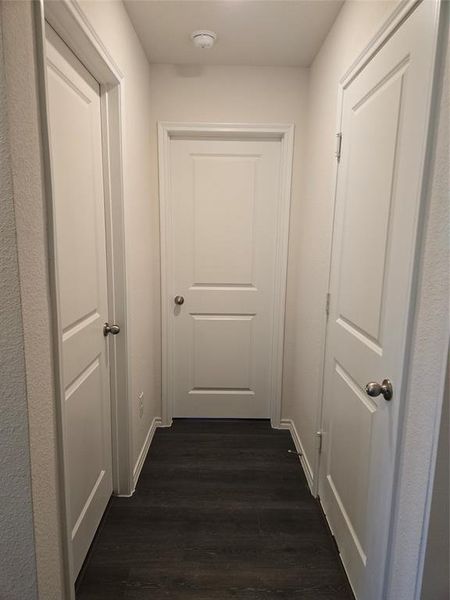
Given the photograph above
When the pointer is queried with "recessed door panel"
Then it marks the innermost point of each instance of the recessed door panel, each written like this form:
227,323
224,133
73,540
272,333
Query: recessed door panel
348,476
224,202
76,215
373,131
222,353
84,413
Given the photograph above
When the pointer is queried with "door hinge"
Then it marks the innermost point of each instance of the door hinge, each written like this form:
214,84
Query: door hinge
319,435
327,305
338,146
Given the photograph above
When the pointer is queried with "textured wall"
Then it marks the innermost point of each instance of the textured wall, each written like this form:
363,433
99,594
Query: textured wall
436,577
311,231
17,555
111,22
20,69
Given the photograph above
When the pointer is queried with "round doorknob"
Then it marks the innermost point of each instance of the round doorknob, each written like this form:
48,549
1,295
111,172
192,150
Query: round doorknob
107,329
374,389
179,300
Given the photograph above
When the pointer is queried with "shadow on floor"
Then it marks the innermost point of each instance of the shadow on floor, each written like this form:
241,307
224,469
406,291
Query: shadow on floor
222,511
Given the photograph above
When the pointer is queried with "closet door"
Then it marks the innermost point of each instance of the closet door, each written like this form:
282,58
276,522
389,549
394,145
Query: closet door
76,162
384,129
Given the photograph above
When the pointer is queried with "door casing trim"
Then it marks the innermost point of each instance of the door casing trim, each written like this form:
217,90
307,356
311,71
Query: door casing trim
168,131
68,20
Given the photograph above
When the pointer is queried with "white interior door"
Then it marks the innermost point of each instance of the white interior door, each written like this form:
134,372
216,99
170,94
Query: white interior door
224,202
76,156
384,127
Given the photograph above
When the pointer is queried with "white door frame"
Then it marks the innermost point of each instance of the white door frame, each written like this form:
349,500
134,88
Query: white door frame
409,416
68,20
285,134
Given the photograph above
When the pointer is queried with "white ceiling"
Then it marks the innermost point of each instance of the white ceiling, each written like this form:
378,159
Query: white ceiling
249,32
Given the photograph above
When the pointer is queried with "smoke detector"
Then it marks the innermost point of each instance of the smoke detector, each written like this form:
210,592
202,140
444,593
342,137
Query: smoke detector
203,38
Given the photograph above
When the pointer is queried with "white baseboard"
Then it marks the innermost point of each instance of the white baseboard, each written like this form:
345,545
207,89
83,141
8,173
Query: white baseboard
144,451
289,424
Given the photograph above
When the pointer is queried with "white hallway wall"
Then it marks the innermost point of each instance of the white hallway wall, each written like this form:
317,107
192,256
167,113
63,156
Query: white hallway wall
112,24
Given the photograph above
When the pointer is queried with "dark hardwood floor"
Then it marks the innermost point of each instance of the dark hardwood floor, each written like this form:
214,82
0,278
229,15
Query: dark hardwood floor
222,511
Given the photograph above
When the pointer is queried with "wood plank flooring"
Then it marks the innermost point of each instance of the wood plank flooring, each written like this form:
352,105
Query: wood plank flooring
222,511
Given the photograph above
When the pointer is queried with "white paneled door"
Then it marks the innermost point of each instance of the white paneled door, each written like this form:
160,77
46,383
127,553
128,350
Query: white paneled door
76,157
225,204
384,127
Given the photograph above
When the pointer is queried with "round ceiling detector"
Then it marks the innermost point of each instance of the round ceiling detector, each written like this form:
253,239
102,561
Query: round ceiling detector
203,38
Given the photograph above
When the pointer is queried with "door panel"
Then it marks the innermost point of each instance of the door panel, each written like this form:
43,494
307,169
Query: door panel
384,128
226,365
376,118
76,157
224,200
352,412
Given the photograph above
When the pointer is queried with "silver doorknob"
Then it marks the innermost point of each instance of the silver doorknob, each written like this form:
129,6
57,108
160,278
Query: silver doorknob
107,329
374,389
179,300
